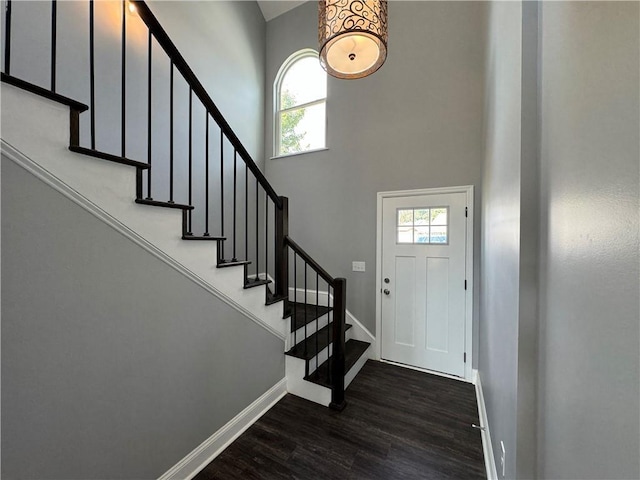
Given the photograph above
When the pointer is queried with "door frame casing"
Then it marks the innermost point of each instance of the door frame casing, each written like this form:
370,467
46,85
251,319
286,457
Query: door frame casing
468,323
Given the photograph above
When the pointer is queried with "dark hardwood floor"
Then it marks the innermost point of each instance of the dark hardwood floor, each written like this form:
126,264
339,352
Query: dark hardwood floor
398,424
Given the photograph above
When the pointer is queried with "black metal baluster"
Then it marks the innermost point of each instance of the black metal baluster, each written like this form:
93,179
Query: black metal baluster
257,232
149,59
206,175
221,244
92,76
7,40
317,322
190,232
246,212
305,304
171,134
266,235
235,178
329,330
54,25
295,298
124,77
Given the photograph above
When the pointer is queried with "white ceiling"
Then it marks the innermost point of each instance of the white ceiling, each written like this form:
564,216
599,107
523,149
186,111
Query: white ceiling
273,8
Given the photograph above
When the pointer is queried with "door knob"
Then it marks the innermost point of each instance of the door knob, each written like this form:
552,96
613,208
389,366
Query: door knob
386,291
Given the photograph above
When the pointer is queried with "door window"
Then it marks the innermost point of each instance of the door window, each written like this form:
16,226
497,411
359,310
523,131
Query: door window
422,226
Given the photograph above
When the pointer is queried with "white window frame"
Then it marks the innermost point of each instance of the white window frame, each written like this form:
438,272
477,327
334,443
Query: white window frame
288,63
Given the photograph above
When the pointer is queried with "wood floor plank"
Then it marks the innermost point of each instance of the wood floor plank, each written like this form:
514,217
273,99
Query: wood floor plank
398,424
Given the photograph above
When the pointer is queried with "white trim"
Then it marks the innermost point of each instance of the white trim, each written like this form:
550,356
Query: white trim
54,182
487,446
201,456
426,370
468,335
295,154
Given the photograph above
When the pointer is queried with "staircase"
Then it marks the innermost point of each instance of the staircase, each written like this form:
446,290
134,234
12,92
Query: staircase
200,203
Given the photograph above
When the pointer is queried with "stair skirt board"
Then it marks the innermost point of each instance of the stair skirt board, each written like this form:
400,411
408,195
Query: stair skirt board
35,135
208,450
360,332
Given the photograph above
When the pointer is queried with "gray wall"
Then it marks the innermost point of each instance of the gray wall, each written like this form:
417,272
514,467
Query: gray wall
415,123
500,252
560,252
114,365
589,350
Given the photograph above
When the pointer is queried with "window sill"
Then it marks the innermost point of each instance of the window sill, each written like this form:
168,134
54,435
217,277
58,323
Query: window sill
287,155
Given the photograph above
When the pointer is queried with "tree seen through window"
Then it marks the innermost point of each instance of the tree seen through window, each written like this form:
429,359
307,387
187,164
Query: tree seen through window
301,91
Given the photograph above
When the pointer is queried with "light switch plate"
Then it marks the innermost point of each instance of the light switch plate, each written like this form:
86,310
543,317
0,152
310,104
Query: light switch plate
358,266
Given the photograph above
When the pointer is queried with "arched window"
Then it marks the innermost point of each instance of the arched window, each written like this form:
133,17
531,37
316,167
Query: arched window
300,104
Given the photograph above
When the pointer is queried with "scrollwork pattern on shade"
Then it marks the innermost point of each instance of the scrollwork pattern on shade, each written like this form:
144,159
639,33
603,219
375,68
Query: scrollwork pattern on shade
338,16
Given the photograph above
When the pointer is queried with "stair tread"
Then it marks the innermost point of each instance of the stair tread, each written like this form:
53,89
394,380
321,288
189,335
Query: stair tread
157,203
353,351
304,313
231,263
203,237
312,348
43,92
272,298
253,282
108,156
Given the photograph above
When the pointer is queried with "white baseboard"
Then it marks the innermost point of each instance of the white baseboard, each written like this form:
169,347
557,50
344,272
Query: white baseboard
487,448
194,462
425,370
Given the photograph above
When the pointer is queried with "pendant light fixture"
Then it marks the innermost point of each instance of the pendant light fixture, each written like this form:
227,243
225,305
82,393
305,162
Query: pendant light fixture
352,36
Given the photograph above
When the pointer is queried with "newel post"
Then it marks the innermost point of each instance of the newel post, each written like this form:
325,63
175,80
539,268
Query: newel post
281,257
338,360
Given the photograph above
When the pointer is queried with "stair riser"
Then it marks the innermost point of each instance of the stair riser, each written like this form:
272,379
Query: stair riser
311,328
322,357
353,371
311,297
325,353
295,368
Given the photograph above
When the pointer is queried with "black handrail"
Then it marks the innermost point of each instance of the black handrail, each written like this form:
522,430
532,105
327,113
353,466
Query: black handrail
181,64
307,258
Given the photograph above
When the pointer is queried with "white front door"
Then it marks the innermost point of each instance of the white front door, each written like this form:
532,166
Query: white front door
423,305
